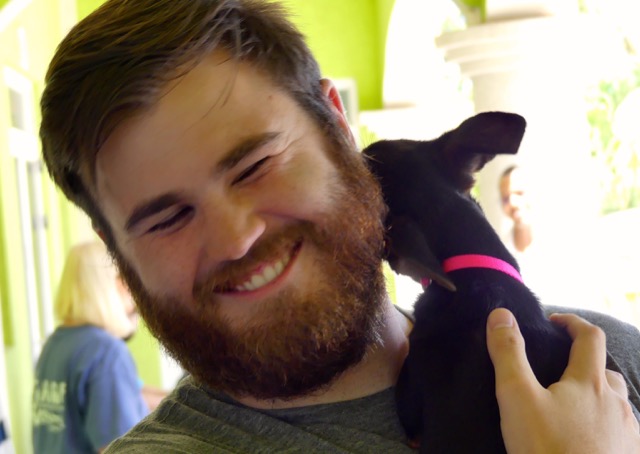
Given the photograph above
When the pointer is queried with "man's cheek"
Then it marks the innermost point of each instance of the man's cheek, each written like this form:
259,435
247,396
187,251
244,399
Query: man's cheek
165,276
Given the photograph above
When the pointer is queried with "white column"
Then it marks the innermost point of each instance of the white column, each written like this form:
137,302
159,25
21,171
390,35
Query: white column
497,10
539,67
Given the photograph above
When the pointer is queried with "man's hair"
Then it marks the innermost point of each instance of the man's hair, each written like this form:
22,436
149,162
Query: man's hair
117,61
88,293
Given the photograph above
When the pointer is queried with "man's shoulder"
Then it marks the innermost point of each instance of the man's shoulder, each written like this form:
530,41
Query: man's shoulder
613,327
623,340
176,426
197,420
623,344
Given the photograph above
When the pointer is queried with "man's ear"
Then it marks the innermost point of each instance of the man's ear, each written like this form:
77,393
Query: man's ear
335,102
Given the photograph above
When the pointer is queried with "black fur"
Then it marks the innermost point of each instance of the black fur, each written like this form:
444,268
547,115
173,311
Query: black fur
446,390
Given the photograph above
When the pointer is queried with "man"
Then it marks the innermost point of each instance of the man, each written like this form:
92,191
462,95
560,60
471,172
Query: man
515,205
218,167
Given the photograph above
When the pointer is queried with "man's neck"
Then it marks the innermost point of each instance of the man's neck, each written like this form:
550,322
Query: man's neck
377,371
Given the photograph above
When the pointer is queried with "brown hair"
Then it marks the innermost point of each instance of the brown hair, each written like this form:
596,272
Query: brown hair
116,62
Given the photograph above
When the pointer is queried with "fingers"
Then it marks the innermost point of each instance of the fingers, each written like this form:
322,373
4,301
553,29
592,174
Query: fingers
588,361
506,348
588,355
586,411
617,383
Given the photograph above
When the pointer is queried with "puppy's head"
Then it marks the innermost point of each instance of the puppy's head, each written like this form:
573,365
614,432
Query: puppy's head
426,185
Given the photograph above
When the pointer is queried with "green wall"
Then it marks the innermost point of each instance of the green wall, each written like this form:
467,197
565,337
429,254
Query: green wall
44,22
87,6
344,36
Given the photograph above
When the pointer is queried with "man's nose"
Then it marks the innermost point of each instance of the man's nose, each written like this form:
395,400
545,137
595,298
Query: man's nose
231,230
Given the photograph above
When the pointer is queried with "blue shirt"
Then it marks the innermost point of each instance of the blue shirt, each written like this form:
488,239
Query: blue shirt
86,393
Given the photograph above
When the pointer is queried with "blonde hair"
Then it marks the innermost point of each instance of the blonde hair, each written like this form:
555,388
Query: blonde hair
88,292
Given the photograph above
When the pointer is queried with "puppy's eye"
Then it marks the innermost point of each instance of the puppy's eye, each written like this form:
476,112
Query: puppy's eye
250,170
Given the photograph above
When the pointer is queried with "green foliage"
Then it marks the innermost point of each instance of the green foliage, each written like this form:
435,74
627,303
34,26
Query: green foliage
618,159
473,10
478,4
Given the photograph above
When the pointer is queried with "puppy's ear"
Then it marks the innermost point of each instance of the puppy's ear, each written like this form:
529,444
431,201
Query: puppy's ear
477,141
409,253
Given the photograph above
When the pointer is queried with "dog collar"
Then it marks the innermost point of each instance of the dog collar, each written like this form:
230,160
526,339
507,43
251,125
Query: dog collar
459,262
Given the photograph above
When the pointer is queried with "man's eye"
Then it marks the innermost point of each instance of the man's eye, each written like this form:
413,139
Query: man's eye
182,215
250,170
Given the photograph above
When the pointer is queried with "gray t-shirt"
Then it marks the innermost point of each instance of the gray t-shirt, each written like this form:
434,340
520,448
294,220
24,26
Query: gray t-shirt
196,420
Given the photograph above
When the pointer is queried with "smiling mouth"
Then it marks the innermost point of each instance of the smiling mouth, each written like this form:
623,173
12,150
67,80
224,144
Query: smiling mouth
266,273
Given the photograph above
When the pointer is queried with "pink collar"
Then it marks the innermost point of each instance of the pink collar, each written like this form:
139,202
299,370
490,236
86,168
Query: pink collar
480,261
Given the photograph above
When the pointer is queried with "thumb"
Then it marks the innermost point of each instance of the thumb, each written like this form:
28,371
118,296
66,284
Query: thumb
506,348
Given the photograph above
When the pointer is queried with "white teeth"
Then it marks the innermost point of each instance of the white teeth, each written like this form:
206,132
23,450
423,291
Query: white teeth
258,281
269,273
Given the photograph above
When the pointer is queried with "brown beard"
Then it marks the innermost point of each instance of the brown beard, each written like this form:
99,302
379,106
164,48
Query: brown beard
302,340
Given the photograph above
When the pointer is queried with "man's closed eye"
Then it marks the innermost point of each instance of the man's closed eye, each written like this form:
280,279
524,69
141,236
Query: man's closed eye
182,215
250,170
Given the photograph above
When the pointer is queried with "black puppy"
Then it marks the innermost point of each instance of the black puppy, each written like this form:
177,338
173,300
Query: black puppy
436,230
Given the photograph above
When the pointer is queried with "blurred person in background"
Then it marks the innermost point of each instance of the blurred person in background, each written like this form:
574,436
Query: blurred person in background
87,390
515,204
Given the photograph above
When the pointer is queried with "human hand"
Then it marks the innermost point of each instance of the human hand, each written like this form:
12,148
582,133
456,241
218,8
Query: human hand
586,412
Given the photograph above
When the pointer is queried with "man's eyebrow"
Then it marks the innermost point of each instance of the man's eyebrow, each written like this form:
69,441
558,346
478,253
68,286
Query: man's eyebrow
233,157
243,149
149,208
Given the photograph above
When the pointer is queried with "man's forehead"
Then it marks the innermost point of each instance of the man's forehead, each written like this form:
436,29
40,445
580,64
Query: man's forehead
186,101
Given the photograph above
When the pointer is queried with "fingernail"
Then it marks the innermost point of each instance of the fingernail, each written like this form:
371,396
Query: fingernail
500,318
